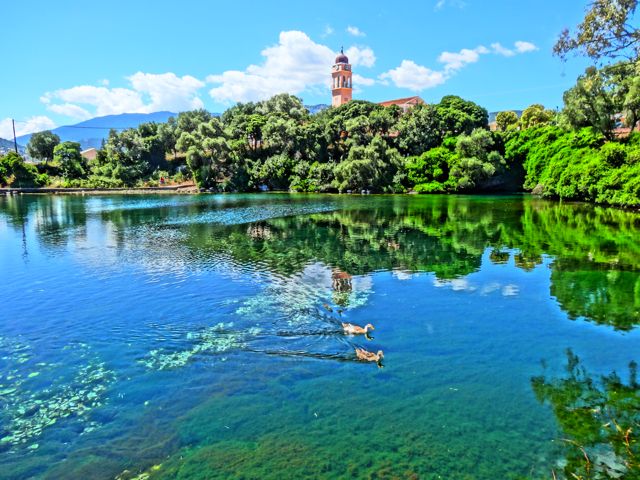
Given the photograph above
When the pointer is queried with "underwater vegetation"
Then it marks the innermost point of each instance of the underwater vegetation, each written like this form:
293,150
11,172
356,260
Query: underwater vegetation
26,413
216,339
599,419
215,348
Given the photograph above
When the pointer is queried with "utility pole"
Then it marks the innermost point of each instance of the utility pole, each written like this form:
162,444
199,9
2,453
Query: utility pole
15,142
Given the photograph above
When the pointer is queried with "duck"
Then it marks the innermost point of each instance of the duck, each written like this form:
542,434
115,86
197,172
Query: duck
351,329
367,356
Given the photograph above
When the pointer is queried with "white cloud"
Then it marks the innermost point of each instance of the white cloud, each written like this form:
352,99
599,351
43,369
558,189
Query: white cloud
413,76
355,31
328,30
510,290
69,110
440,4
31,125
149,93
519,47
456,284
359,80
168,91
295,64
524,47
456,60
361,56
500,50
417,77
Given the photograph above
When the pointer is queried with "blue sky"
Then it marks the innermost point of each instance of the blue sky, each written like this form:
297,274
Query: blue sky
65,61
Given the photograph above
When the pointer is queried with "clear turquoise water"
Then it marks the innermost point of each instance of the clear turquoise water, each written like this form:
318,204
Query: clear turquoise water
200,335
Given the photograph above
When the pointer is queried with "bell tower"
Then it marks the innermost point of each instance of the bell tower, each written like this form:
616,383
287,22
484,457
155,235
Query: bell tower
341,80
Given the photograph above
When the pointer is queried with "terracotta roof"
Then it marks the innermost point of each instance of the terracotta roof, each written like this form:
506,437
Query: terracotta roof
402,101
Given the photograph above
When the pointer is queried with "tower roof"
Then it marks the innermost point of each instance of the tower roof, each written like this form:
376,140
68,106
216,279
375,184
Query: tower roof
342,58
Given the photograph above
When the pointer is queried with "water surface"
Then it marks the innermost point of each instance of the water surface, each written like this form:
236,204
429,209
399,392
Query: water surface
199,337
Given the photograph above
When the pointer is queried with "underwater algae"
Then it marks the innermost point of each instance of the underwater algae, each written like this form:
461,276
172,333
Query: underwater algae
26,413
217,352
216,339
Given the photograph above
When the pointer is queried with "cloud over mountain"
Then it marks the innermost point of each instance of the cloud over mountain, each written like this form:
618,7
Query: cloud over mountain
148,92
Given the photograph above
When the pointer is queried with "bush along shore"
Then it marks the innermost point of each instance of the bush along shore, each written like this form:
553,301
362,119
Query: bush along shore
276,144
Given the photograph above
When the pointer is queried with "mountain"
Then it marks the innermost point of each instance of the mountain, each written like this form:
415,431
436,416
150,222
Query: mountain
91,132
7,146
316,108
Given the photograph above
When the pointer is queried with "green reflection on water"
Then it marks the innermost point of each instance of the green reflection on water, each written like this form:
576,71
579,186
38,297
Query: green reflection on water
594,259
595,273
599,419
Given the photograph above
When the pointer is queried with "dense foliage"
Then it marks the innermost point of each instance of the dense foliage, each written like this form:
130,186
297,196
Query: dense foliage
15,172
578,153
41,145
578,164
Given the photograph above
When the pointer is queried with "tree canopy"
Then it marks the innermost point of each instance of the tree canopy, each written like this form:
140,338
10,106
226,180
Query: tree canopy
606,32
41,145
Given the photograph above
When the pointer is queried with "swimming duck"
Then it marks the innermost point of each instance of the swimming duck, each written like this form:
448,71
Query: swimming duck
367,356
351,329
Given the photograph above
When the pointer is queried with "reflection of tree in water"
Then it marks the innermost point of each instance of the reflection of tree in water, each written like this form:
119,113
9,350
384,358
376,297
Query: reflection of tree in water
599,420
596,251
527,261
499,257
609,296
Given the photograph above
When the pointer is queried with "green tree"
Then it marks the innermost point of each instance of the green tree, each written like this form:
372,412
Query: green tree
606,31
15,172
67,155
369,167
285,105
477,159
625,81
188,121
591,103
122,157
209,155
383,120
419,130
536,115
153,145
428,172
168,136
457,116
41,145
506,120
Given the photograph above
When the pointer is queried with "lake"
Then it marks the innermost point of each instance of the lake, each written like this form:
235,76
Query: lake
200,336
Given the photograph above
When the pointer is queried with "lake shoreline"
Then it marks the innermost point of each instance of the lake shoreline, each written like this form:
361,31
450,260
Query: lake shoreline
181,189
193,190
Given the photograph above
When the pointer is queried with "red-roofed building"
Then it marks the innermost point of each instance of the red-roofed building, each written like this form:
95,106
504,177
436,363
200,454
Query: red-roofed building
404,103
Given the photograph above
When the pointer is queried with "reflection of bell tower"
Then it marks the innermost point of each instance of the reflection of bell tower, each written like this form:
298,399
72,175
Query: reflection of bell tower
342,286
341,80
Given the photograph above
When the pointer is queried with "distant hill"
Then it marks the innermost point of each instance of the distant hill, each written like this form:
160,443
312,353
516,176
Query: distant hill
7,146
91,132
316,108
